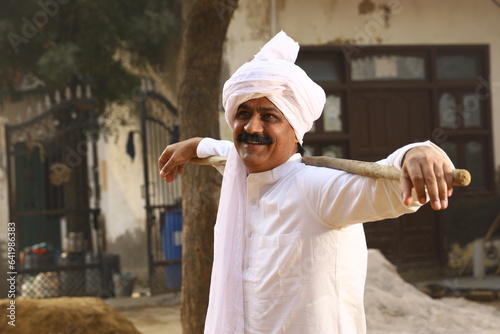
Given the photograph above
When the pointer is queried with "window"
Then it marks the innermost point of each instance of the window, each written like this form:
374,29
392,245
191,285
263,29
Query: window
474,157
456,66
460,110
331,119
388,67
447,110
333,151
451,149
322,67
385,96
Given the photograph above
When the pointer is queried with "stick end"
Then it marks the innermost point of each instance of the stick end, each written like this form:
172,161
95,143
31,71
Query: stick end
461,177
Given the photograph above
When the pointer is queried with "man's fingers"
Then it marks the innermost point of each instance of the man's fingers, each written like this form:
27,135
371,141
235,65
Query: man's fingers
439,184
416,177
174,165
406,186
171,169
436,188
422,178
444,182
164,158
175,156
429,172
170,176
433,181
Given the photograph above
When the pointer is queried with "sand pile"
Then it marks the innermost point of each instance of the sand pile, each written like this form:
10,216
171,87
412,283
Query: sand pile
395,306
65,315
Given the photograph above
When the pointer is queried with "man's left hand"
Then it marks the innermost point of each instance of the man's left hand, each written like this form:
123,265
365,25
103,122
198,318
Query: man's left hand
423,168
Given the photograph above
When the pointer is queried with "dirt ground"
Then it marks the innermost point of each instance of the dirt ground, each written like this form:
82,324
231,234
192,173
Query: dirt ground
166,319
87,315
123,317
392,306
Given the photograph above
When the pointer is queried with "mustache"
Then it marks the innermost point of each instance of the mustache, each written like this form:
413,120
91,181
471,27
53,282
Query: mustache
246,137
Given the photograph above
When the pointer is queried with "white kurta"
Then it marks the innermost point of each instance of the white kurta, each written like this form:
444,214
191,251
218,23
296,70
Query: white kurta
304,263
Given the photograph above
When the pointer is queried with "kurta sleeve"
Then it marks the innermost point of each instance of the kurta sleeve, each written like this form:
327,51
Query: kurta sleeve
340,199
211,147
396,158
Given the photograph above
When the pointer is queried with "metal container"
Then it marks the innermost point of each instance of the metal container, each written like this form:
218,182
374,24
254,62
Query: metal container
75,242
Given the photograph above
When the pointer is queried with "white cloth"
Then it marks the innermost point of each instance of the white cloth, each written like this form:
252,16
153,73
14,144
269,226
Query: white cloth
303,257
225,314
273,74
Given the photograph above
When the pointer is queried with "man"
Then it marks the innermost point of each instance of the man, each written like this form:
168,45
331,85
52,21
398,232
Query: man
289,254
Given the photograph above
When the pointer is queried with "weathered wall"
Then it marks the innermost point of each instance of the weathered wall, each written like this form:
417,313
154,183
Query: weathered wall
122,205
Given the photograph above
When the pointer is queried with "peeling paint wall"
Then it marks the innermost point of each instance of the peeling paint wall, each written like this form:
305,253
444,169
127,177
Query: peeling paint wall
384,22
257,18
121,179
122,205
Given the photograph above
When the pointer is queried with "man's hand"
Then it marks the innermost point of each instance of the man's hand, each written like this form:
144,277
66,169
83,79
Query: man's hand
425,167
175,156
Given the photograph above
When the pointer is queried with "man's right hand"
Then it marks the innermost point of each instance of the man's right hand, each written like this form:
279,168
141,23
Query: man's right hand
175,156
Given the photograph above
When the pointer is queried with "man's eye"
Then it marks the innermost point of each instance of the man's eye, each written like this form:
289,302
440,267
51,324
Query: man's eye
242,114
269,117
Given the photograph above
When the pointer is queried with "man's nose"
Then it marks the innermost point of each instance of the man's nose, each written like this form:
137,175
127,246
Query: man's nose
254,125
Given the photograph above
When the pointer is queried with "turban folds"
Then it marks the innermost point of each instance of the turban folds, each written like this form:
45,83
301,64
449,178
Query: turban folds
273,74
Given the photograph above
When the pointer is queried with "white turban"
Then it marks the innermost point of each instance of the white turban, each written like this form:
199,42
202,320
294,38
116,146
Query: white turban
273,74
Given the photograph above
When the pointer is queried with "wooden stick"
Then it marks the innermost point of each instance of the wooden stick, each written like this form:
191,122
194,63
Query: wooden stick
461,177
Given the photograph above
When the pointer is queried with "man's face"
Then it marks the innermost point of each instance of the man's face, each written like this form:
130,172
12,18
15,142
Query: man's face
262,135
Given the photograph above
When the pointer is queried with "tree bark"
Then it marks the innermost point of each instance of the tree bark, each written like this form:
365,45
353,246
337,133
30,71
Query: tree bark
198,104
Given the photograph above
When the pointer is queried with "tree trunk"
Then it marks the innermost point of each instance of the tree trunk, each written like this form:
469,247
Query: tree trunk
198,104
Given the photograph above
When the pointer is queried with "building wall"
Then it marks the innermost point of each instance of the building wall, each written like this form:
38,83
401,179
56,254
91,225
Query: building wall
121,180
323,22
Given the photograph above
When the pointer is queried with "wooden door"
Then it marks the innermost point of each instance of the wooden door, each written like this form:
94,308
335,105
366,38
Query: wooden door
381,122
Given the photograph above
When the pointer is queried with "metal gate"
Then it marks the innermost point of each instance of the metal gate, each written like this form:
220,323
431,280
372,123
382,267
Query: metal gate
159,127
54,202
